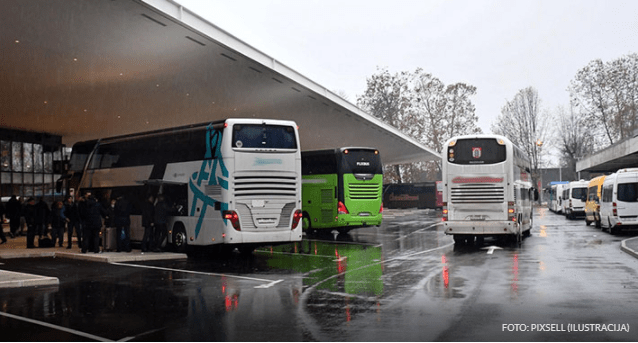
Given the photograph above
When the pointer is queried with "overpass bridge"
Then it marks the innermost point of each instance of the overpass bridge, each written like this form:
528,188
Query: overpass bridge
85,69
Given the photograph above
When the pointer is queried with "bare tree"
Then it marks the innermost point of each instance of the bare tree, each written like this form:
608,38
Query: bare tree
607,95
421,106
574,139
388,97
522,121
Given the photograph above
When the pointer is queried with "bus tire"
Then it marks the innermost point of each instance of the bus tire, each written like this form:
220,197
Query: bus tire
180,240
305,222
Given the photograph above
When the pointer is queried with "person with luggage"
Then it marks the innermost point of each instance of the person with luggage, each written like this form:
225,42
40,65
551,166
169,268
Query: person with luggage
73,215
92,214
162,210
148,210
14,211
58,222
122,220
28,213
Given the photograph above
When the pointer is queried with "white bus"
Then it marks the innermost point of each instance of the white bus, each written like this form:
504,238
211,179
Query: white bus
235,182
487,189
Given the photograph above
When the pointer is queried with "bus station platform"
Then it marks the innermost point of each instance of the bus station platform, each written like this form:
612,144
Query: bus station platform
17,248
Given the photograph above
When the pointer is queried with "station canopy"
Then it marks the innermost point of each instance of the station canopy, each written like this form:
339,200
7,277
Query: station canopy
85,69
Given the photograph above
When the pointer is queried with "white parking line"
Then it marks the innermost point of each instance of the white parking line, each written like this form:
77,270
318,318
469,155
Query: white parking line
269,282
56,327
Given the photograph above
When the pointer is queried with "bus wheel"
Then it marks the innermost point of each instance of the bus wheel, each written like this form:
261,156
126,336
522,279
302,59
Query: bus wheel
305,222
179,239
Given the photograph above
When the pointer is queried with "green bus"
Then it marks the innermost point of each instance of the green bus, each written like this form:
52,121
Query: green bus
341,188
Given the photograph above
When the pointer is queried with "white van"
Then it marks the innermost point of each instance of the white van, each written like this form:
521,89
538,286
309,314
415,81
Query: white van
574,198
619,203
557,203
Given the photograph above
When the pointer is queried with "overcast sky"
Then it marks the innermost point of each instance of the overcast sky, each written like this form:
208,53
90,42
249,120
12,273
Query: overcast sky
498,46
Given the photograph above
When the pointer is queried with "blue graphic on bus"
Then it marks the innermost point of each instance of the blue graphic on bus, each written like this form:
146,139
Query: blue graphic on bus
212,172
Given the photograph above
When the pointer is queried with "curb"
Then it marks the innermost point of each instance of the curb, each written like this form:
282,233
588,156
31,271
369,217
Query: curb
625,248
17,280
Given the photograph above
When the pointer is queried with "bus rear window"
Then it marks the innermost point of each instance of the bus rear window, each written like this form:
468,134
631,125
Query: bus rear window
264,136
579,193
628,192
476,151
359,161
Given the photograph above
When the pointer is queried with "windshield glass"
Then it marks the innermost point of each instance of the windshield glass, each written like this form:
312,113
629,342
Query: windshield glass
476,151
264,136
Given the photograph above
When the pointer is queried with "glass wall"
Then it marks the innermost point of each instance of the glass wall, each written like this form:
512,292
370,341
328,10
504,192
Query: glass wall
29,168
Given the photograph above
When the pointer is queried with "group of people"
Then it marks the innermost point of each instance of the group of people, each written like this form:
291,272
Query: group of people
38,218
86,217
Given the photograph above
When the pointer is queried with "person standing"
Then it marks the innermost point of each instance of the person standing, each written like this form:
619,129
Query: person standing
162,211
2,236
122,215
29,217
93,213
41,219
147,222
73,215
58,221
14,211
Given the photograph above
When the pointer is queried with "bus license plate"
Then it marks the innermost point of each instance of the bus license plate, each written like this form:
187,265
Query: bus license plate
476,217
364,214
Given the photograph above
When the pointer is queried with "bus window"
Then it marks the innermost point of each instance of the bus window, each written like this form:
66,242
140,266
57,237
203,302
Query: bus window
264,136
357,161
477,151
628,192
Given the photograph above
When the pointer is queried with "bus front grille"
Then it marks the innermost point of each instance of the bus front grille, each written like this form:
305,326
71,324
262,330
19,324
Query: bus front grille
364,191
477,194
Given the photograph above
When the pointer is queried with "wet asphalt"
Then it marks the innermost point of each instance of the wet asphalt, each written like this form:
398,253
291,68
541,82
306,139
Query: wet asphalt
402,281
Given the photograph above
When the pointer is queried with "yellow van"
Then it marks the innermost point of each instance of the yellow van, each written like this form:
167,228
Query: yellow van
592,206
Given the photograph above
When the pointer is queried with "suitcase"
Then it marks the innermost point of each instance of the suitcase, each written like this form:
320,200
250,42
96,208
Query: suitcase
110,239
45,242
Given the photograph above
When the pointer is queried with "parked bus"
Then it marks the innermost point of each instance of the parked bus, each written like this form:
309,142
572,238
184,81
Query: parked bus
556,195
619,205
235,182
342,188
592,206
487,189
574,198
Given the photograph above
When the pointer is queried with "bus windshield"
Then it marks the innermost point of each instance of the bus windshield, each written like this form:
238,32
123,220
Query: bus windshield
477,151
361,161
264,136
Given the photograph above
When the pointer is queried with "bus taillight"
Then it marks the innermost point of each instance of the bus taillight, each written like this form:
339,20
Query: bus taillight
233,217
381,209
510,211
614,210
296,217
341,208
445,212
